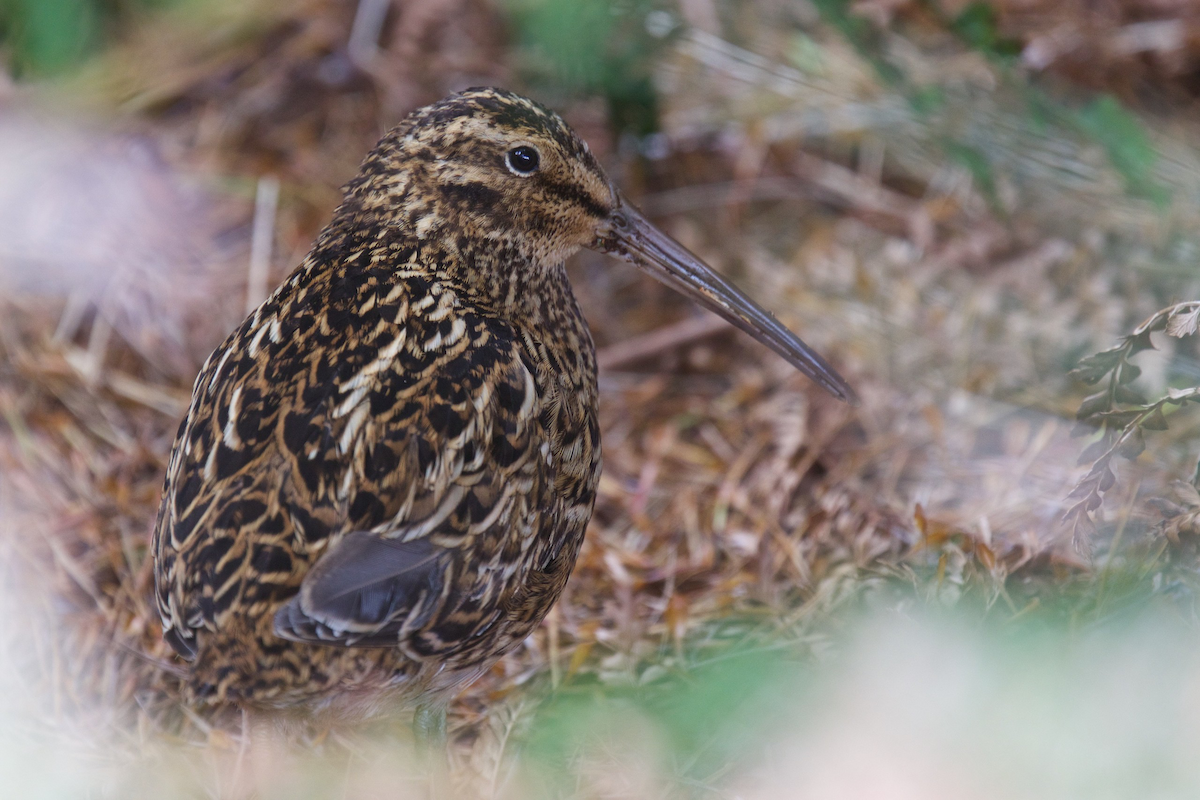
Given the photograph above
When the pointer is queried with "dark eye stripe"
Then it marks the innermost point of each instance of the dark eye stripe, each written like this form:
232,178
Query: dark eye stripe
573,194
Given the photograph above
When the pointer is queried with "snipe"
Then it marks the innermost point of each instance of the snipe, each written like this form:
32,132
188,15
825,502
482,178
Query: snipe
385,474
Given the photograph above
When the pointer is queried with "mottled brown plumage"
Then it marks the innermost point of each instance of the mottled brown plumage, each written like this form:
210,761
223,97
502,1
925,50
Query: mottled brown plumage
384,476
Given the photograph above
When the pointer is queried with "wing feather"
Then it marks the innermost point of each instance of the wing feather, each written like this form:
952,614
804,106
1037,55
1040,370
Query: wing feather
364,591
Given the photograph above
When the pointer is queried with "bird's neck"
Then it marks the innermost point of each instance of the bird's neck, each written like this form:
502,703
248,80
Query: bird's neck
537,301
495,275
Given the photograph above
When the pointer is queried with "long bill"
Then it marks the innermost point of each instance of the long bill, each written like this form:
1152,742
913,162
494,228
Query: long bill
632,237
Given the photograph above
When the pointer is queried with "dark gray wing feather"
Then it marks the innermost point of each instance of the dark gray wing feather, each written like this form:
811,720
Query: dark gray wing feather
365,591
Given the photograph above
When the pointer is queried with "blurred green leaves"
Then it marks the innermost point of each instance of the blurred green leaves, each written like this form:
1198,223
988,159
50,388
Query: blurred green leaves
42,38
718,712
864,37
592,47
1105,121
1047,697
977,26
1126,142
980,167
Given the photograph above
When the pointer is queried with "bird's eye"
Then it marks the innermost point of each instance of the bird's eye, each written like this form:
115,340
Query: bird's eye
522,160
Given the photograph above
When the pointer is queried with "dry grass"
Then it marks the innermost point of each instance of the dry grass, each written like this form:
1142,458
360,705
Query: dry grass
738,504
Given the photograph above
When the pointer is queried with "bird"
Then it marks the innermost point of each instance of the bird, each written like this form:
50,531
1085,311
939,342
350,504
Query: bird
383,478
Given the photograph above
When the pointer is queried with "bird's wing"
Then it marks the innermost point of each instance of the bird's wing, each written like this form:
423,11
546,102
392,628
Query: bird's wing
365,591
352,468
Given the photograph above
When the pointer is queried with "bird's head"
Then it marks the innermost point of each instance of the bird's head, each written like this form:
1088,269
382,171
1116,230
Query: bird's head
492,165
489,166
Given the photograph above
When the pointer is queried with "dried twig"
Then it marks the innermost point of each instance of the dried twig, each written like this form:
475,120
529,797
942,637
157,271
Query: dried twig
266,201
661,340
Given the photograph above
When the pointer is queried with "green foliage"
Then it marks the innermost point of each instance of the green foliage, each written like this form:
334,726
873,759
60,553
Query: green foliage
986,689
584,47
48,37
976,25
980,167
727,700
860,34
927,100
719,712
573,36
1109,124
1104,120
1125,141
